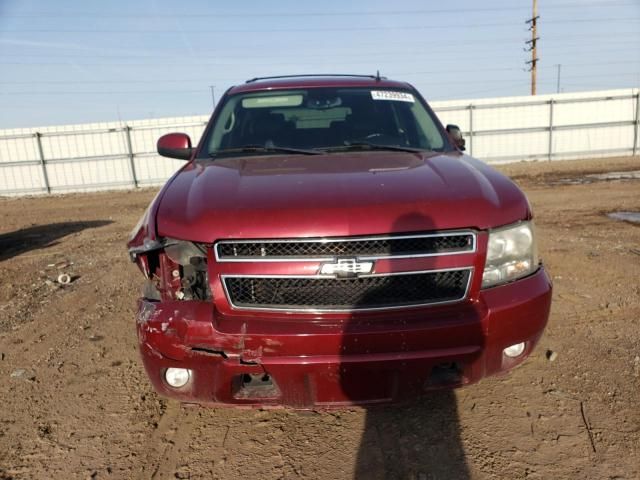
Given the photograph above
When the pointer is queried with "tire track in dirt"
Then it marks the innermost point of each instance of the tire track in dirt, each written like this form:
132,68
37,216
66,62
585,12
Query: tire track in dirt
175,453
169,435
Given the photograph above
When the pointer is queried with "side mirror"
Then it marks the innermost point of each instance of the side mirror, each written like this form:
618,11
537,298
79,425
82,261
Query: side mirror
456,135
175,145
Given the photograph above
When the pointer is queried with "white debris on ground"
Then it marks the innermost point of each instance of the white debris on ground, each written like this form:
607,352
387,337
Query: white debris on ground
633,217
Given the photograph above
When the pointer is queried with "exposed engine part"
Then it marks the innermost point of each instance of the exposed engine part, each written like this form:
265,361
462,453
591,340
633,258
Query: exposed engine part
195,280
150,290
177,272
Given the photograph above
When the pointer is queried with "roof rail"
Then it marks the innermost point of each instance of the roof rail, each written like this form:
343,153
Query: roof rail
377,77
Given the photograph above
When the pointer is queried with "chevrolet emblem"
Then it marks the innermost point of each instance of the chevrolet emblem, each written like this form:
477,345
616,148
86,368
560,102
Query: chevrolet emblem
346,268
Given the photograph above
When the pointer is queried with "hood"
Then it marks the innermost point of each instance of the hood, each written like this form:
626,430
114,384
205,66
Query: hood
340,194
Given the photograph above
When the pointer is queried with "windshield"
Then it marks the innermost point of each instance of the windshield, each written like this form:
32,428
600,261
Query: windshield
329,119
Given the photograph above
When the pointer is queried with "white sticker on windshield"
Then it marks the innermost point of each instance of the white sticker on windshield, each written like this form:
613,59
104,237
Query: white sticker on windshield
391,95
272,101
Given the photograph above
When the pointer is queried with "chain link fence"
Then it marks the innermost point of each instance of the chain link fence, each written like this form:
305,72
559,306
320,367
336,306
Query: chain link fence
115,155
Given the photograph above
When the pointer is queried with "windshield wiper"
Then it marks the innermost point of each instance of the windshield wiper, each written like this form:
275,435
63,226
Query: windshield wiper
373,146
262,148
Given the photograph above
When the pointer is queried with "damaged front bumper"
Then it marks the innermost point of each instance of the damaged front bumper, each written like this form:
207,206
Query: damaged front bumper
251,361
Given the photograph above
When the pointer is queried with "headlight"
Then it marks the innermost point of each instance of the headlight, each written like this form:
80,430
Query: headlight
511,254
183,252
179,251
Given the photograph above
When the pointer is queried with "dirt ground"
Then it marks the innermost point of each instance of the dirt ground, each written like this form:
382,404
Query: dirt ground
75,401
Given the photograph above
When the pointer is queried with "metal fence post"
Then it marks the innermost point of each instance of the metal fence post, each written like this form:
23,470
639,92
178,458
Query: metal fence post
132,165
551,102
637,120
43,164
471,129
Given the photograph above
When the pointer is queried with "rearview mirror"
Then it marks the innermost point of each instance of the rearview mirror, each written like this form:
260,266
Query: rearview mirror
456,135
175,145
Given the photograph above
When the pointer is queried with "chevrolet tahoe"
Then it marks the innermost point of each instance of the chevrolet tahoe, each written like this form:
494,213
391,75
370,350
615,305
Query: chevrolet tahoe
329,243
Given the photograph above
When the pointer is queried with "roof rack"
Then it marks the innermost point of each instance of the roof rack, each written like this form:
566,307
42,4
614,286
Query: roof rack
376,77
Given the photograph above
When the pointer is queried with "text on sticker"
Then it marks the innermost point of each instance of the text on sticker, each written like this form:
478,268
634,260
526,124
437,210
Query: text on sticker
391,95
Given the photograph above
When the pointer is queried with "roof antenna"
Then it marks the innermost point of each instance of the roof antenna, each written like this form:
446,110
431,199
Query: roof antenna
377,75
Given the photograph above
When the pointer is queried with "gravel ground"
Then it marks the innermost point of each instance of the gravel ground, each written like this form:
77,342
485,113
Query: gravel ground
76,402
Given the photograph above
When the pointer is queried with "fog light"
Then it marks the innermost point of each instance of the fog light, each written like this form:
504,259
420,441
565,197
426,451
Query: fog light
177,377
514,350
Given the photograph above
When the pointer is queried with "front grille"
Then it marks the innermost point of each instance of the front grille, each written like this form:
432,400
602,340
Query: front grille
361,293
397,246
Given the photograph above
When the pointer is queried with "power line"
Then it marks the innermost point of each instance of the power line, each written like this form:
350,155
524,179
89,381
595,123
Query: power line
605,75
415,49
207,79
312,29
74,14
201,91
199,61
105,92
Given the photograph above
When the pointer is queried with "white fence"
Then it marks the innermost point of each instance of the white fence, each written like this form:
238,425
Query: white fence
116,155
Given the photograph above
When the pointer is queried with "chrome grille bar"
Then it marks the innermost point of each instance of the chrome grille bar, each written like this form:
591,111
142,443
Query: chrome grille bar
362,248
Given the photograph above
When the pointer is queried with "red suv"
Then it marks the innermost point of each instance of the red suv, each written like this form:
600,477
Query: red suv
327,243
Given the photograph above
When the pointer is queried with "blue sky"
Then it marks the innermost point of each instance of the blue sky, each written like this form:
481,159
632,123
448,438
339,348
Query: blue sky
84,61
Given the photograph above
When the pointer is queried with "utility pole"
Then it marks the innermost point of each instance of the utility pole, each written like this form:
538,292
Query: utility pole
558,82
213,96
532,46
